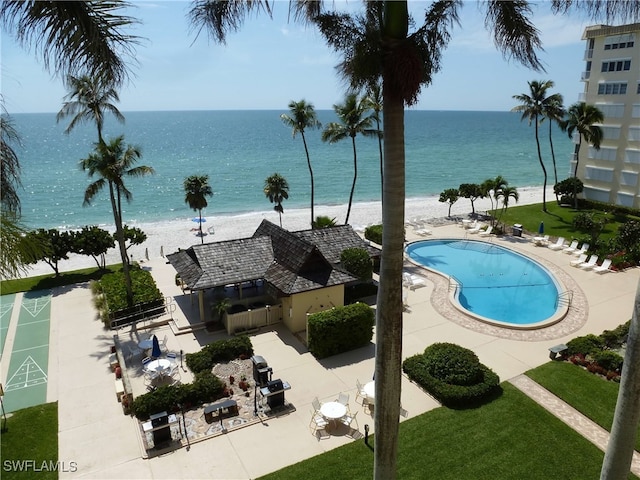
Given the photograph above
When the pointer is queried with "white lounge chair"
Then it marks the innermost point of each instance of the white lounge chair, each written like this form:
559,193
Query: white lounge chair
559,245
475,229
589,264
487,232
541,241
604,268
413,281
423,232
582,249
571,248
581,259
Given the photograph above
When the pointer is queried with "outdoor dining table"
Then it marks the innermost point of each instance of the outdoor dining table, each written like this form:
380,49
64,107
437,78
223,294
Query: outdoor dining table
370,391
160,366
146,344
333,411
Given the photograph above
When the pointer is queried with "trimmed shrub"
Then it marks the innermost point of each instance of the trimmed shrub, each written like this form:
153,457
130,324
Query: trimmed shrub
586,345
340,329
357,262
219,351
617,337
610,361
374,233
441,364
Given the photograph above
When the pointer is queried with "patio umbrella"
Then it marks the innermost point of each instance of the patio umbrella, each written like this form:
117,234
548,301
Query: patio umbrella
541,228
198,220
155,349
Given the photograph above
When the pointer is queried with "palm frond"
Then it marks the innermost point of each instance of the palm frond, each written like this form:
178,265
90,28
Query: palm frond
220,17
609,11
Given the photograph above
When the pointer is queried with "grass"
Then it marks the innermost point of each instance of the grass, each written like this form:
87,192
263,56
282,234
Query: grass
32,435
590,394
511,437
45,282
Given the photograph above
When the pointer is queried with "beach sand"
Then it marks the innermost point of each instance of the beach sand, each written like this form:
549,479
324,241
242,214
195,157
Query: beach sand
167,237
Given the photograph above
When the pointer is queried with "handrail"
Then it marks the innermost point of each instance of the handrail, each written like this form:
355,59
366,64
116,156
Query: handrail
564,298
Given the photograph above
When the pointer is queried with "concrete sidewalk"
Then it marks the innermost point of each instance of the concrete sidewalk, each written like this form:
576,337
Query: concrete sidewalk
106,444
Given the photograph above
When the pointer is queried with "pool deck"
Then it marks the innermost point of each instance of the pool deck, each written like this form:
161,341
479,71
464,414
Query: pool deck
105,444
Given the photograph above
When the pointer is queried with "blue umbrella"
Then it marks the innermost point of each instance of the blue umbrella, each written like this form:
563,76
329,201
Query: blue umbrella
541,228
155,348
198,220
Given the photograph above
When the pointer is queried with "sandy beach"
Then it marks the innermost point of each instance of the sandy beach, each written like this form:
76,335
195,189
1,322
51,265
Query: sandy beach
167,237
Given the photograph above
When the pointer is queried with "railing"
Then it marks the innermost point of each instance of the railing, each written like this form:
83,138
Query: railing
252,319
564,298
588,54
142,312
584,76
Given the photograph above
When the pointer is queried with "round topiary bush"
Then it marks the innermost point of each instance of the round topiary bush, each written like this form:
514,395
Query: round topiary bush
452,364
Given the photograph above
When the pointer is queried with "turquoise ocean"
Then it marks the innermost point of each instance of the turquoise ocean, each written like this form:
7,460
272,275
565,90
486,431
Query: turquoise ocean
240,149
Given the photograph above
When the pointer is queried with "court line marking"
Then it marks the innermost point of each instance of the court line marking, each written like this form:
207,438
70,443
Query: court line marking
32,368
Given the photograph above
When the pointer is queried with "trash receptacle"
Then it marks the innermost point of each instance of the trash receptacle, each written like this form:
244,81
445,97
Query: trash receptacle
516,230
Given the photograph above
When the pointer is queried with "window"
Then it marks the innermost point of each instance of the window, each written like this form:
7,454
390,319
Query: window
612,88
611,110
616,42
616,66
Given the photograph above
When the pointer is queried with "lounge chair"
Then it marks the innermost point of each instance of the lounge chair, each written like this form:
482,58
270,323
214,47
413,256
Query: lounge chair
475,229
423,232
541,241
604,268
571,248
559,245
487,232
413,281
589,264
581,259
582,249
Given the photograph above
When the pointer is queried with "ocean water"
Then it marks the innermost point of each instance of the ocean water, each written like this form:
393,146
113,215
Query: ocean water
240,149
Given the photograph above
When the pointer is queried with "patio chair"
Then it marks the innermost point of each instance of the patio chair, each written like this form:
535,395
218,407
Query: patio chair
589,264
423,232
343,398
361,394
145,360
559,245
350,418
477,228
163,344
413,281
604,268
571,248
581,259
582,249
487,232
171,355
317,421
315,403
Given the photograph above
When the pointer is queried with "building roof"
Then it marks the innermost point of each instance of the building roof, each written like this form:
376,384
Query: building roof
291,262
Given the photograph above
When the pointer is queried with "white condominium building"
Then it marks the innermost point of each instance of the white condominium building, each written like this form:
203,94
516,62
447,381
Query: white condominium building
612,83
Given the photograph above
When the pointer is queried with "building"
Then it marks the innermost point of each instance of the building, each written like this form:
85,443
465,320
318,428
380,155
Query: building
274,275
612,83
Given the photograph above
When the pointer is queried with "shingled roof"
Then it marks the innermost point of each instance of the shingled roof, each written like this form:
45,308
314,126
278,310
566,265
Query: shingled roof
292,262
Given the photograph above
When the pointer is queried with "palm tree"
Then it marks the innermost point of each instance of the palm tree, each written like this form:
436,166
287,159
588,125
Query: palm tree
276,189
505,193
112,162
302,116
196,191
374,99
352,121
88,100
581,119
554,112
74,38
10,170
533,106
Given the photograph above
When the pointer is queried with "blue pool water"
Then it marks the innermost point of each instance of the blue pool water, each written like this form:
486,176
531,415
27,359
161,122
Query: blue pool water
496,283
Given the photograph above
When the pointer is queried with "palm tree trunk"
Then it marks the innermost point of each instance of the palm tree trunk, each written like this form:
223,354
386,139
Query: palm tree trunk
576,151
381,161
553,157
306,151
355,177
200,225
617,459
117,217
544,170
388,361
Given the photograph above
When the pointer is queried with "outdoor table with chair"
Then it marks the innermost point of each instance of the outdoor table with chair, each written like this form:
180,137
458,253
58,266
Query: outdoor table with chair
160,367
333,411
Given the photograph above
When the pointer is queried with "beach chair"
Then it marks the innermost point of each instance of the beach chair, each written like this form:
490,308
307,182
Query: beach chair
581,250
604,268
487,232
559,245
589,264
475,229
423,232
581,259
413,281
571,248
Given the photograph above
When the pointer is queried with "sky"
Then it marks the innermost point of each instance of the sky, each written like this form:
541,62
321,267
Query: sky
270,62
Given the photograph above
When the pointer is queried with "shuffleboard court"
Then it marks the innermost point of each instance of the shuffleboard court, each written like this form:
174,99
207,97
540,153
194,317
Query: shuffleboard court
6,309
26,383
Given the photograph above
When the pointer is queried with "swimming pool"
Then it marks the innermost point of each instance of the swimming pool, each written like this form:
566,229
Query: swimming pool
493,283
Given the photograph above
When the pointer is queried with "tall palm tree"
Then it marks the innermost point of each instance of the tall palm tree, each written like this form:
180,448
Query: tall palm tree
505,193
75,38
301,117
196,191
554,112
112,162
276,189
353,120
533,106
88,100
374,99
581,119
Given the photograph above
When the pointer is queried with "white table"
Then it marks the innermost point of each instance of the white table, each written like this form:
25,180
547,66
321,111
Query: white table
161,366
146,344
370,391
333,411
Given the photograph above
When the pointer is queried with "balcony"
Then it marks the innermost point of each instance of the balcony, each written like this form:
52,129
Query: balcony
584,76
582,97
588,54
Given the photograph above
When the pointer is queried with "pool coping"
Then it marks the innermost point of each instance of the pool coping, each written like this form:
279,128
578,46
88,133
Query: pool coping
573,319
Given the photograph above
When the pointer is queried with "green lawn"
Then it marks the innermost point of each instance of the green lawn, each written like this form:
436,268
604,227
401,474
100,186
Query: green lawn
31,435
509,438
45,282
590,394
558,220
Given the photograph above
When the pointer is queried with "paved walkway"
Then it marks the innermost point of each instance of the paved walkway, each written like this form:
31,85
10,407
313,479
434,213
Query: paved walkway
569,415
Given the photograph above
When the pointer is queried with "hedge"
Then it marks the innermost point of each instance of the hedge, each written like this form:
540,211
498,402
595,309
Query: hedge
374,233
219,351
340,329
